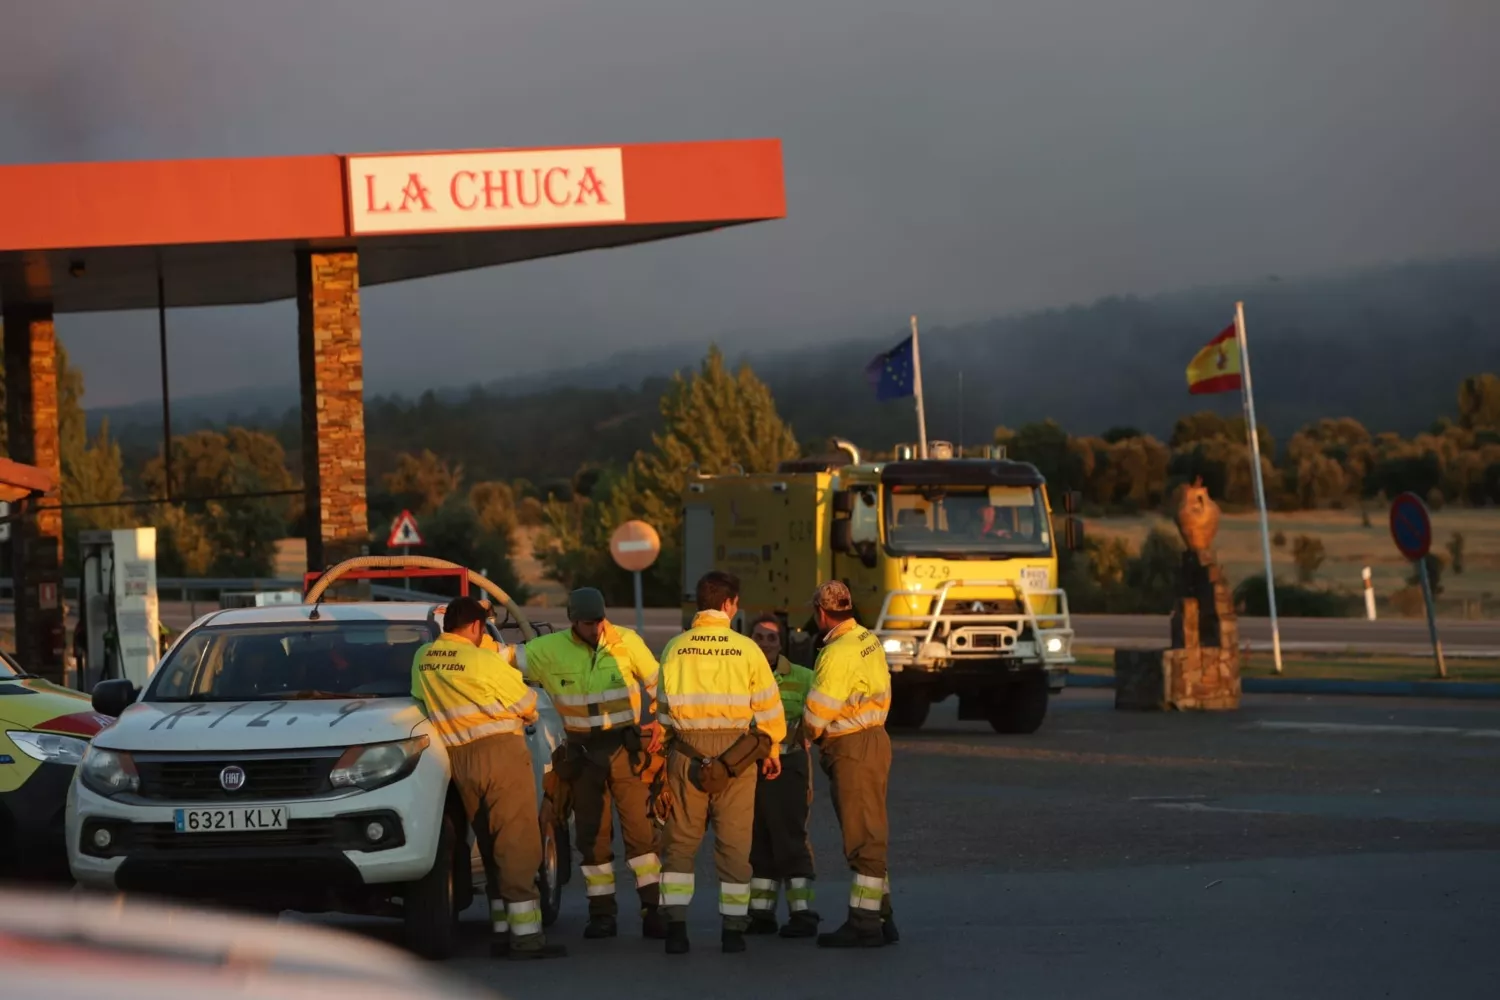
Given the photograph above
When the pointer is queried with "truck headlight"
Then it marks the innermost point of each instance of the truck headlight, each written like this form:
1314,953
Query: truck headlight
1055,644
50,748
900,647
109,772
378,764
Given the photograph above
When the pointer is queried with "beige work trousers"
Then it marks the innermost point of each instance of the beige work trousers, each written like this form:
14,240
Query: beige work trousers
596,788
495,781
858,768
732,813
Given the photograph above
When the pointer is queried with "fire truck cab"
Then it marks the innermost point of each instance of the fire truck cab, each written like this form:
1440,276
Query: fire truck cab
953,562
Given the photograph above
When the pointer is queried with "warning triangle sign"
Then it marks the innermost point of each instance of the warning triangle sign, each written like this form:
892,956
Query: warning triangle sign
404,531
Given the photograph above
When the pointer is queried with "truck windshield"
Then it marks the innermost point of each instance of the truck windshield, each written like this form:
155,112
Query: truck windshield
966,521
338,659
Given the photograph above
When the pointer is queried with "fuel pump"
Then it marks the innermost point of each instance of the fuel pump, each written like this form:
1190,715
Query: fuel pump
119,605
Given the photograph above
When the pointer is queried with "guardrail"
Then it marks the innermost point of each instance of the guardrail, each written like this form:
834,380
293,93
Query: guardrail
191,589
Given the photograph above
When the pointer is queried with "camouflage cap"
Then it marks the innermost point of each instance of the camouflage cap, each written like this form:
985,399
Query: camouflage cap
833,596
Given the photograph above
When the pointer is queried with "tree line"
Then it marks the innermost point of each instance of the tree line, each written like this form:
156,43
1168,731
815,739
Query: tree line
1332,462
712,418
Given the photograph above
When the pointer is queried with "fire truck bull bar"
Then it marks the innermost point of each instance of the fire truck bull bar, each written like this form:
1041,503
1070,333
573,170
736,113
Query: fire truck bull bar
966,636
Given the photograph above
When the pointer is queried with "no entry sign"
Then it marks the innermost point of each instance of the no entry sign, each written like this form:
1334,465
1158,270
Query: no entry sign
635,546
1411,526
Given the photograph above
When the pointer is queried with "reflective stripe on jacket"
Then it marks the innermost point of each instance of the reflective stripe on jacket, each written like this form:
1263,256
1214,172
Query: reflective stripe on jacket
794,681
468,692
595,689
851,688
714,678
507,652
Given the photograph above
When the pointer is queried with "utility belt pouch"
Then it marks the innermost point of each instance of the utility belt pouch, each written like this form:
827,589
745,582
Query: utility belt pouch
707,774
753,746
630,736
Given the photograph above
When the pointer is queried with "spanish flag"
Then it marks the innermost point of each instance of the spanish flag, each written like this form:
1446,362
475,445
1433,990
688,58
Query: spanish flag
1216,368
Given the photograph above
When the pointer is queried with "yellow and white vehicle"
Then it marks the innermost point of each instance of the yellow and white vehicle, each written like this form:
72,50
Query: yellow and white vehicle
951,561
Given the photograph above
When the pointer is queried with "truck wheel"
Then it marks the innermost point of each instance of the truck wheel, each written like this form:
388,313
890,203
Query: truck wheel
909,709
1020,708
548,880
429,903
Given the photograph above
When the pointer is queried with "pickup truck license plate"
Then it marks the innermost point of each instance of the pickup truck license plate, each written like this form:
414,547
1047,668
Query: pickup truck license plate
237,820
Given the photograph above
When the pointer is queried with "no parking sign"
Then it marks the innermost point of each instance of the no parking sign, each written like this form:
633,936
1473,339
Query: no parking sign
1411,528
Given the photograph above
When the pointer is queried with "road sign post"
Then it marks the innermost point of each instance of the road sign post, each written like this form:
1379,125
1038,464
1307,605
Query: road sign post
1411,529
635,546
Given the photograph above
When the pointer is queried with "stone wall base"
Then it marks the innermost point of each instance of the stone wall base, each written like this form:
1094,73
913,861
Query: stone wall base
1204,679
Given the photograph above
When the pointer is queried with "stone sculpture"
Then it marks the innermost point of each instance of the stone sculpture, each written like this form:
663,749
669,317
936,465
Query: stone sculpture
1201,670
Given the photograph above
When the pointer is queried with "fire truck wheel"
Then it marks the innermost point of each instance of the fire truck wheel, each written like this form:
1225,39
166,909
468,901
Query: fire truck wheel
1020,708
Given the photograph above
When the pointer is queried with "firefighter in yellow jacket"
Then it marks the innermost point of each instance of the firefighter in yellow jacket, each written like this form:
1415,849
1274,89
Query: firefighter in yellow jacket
480,706
845,716
602,678
715,688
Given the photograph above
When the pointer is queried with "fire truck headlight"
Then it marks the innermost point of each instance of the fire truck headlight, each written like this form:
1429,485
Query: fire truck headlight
900,647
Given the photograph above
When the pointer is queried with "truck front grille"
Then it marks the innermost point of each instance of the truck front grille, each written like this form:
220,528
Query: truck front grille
196,779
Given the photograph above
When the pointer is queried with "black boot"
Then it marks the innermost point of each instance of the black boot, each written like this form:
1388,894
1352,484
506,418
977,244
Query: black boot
732,942
852,935
499,946
653,924
762,923
525,953
888,930
803,924
601,926
677,939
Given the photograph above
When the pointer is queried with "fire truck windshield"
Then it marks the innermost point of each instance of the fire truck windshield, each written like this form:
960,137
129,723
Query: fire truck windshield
966,521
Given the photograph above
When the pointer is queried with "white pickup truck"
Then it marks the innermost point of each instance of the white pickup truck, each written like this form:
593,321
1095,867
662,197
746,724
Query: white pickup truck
277,760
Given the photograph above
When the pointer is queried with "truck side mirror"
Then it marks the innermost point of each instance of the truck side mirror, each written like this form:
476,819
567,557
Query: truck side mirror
842,535
1074,532
112,698
1072,501
843,502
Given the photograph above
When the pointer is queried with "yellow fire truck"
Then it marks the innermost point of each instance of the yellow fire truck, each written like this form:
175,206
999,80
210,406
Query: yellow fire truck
951,561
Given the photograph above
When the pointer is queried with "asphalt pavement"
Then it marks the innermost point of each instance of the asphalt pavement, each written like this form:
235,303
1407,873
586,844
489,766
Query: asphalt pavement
1304,847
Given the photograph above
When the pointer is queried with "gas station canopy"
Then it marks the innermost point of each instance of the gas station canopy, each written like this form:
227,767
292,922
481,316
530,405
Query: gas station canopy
83,237
18,481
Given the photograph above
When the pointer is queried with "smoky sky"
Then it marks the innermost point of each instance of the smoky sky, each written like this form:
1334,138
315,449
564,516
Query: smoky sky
955,158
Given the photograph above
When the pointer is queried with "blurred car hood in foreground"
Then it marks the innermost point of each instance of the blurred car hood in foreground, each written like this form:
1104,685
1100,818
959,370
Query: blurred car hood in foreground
63,945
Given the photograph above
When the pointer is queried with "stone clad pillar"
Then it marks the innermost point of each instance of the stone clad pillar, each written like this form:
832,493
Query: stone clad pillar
32,425
333,406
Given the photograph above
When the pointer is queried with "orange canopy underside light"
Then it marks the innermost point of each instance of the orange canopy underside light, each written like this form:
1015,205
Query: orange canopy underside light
18,481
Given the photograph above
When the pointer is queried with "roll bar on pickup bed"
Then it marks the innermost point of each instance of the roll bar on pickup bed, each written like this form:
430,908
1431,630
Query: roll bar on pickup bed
315,585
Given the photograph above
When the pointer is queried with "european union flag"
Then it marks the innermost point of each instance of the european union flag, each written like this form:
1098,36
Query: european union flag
890,374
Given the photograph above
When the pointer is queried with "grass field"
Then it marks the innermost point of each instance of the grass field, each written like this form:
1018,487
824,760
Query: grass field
1350,546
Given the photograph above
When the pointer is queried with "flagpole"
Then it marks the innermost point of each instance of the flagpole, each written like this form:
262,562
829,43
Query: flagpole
916,376
1260,488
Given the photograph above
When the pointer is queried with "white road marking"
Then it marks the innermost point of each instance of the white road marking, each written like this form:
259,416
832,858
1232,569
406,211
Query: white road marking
1375,729
1204,807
